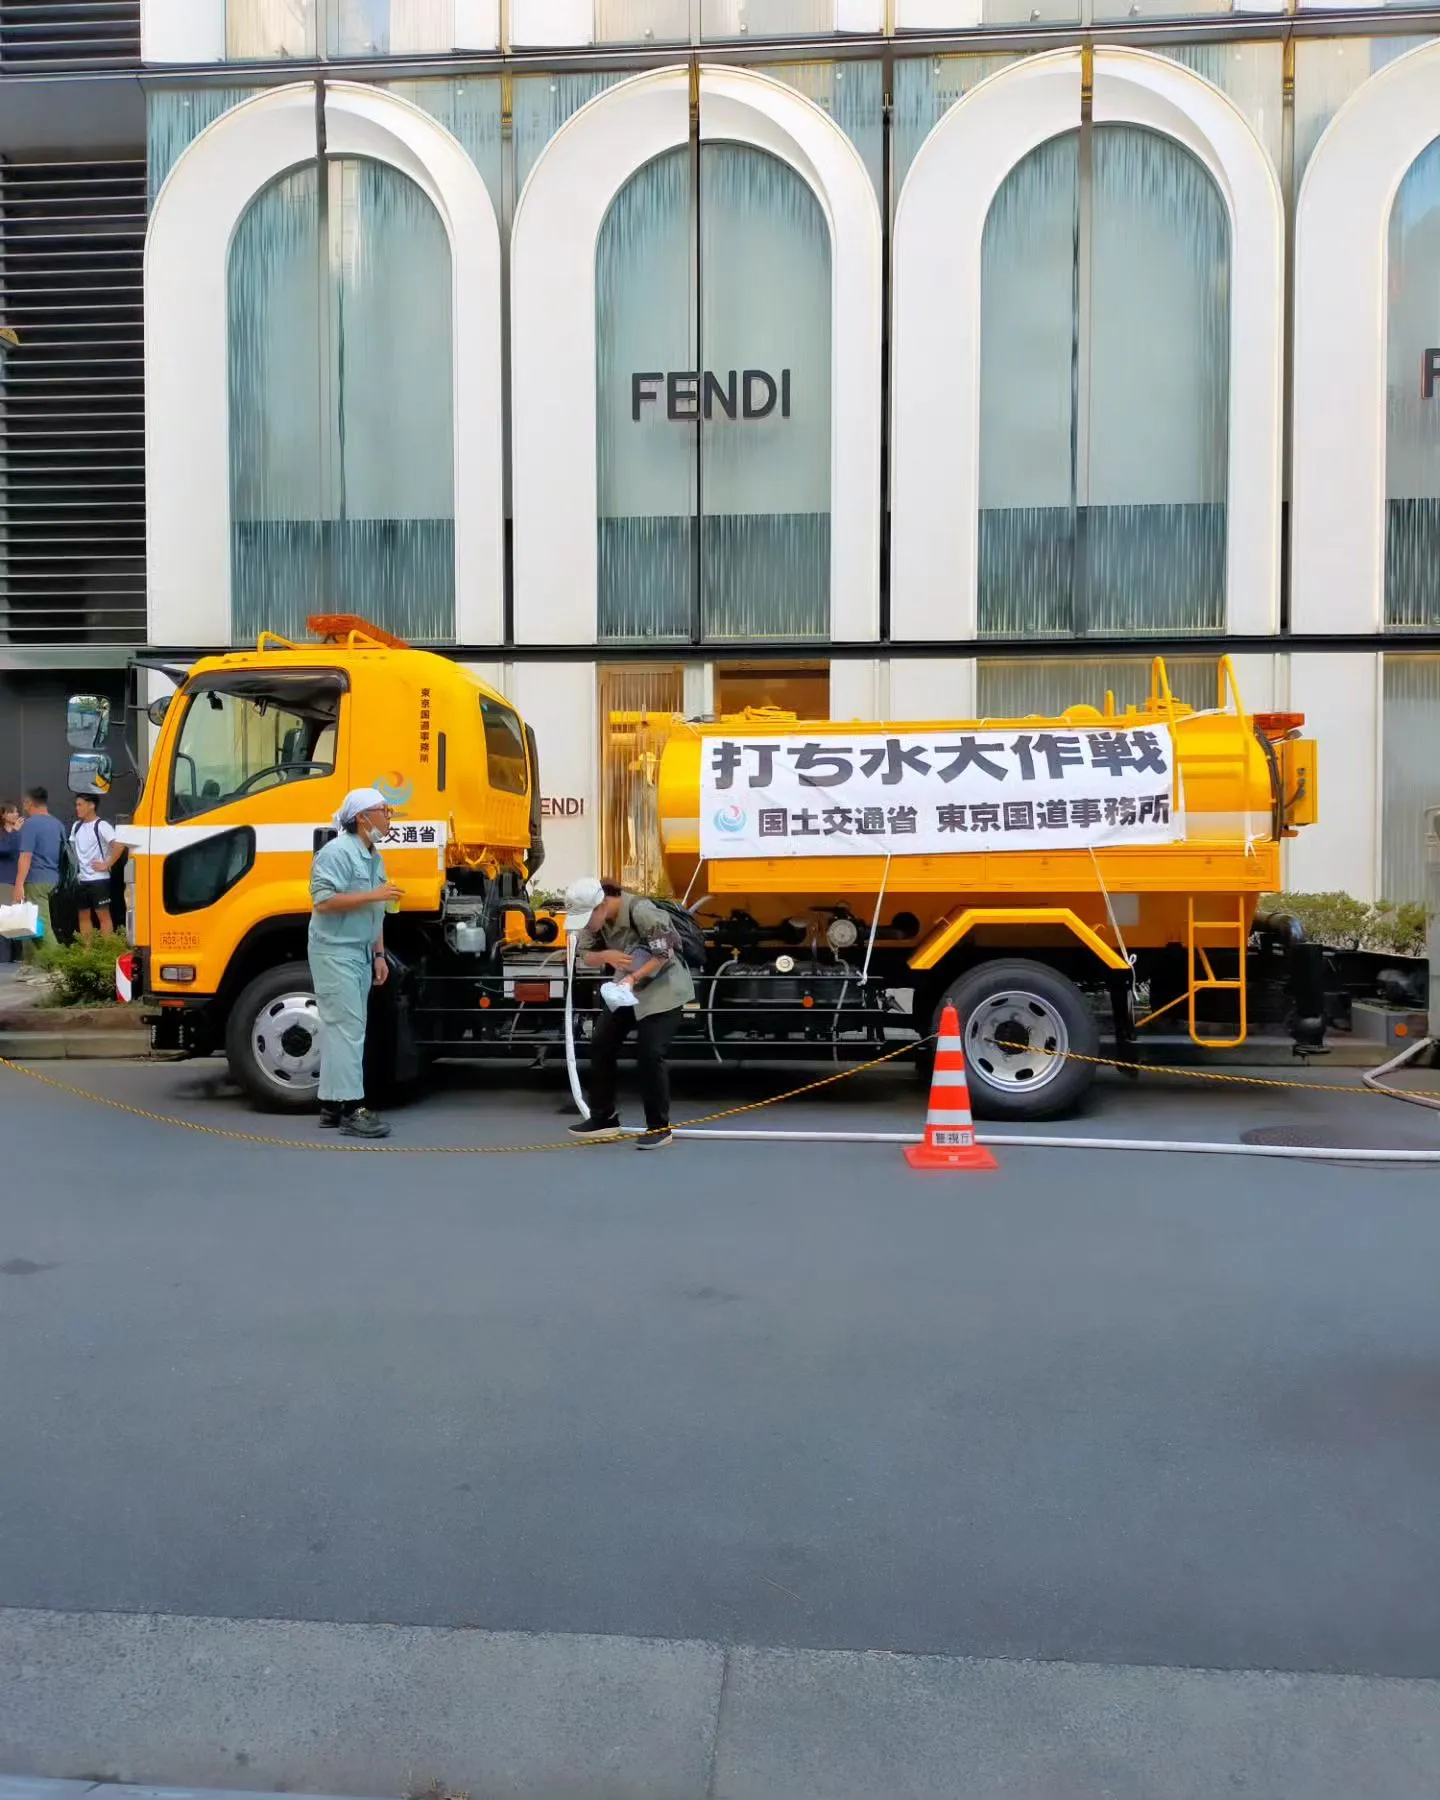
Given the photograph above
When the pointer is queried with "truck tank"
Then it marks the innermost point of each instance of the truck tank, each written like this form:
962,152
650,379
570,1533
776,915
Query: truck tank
1243,783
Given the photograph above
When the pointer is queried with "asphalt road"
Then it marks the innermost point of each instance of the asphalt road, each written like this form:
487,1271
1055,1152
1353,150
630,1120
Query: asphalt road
1106,1408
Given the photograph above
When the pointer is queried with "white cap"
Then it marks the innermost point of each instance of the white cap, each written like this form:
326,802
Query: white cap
581,899
357,801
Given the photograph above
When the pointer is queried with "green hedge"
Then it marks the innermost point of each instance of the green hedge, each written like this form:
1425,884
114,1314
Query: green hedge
1346,924
83,974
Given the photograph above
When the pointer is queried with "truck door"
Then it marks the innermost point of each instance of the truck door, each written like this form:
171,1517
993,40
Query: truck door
259,765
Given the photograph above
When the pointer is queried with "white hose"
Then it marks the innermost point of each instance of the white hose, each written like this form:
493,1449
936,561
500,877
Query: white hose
570,1069
1071,1143
1376,1086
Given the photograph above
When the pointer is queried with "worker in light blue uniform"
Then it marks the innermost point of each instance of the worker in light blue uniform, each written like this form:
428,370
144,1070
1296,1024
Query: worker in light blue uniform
347,956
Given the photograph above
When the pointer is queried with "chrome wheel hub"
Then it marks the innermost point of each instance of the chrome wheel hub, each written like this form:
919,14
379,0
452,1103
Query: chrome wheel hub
285,1042
1016,1040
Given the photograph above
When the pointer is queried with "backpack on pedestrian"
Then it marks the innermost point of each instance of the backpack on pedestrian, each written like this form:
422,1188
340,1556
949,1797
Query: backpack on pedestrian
688,930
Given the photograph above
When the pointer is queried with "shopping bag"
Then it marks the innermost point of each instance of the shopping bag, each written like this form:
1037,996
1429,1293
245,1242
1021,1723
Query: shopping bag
20,921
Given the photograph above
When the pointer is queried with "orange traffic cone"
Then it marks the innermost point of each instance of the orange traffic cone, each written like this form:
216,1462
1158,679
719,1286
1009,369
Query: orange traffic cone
949,1129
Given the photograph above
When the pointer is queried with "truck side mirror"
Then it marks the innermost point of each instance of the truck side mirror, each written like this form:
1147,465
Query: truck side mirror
91,774
87,722
155,712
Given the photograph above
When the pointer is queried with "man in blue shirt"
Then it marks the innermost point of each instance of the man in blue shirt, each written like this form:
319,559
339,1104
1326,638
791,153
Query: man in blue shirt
37,875
350,892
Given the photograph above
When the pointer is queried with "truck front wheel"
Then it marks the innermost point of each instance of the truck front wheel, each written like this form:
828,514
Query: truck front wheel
272,1040
1022,1023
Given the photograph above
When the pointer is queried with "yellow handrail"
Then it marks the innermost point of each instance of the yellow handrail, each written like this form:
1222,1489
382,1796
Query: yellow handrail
1160,679
1229,688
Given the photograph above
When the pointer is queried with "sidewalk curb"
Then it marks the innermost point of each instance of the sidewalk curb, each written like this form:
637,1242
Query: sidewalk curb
128,1045
40,1787
158,1701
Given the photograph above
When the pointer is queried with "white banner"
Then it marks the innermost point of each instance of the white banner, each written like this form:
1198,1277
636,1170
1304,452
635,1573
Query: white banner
937,793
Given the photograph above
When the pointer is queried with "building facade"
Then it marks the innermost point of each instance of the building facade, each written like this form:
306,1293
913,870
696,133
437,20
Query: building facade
870,358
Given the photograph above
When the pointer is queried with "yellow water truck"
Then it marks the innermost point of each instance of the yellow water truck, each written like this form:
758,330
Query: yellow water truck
1094,873
1037,940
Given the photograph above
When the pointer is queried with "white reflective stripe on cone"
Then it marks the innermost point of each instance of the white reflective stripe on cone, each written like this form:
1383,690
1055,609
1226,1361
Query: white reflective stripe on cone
948,1078
953,1045
943,1116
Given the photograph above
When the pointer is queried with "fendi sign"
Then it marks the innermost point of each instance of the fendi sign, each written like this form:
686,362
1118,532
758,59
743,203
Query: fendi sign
689,395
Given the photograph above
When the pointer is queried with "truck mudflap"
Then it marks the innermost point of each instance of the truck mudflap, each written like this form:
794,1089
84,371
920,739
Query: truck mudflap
182,1027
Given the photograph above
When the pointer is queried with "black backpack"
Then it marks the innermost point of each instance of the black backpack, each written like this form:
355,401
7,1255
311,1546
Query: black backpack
689,931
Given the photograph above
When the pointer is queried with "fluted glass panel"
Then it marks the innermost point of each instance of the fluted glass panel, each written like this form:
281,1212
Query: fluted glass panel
470,109
1412,401
542,104
766,18
1410,754
1159,389
1029,687
765,436
1104,392
1327,72
175,117
391,286
853,94
1028,375
642,21
279,448
629,791
1252,75
265,30
647,461
342,484
389,27
925,88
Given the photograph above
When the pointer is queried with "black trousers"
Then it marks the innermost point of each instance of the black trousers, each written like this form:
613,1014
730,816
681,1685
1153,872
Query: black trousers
653,1035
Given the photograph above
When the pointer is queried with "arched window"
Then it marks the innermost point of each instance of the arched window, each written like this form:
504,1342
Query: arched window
1412,400
713,369
1104,390
341,404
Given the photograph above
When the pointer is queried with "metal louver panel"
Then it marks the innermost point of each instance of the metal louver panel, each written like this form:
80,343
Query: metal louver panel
37,36
72,463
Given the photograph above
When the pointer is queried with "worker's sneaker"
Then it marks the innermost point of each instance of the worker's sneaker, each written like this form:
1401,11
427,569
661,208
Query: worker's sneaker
597,1131
655,1140
329,1117
363,1123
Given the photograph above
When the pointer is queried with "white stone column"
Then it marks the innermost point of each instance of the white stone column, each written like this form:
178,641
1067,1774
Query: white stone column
558,701
1340,696
932,687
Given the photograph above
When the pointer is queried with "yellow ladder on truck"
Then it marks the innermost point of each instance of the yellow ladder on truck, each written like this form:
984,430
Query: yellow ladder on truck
1203,936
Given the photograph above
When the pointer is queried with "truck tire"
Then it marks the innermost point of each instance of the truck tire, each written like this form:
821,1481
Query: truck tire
272,1040
1019,1022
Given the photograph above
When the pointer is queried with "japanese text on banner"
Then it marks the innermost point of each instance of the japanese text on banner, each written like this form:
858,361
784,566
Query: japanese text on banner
938,793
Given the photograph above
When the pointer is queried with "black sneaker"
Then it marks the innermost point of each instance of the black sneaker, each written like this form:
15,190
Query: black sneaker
655,1140
363,1123
329,1118
598,1130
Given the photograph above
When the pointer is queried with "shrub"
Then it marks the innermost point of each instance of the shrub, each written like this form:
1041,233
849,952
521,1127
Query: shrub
83,974
1345,924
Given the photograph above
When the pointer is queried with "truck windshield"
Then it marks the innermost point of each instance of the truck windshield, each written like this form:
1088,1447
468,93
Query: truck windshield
241,738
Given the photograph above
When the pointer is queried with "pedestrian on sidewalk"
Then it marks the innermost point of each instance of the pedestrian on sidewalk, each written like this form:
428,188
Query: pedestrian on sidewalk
97,850
637,940
42,854
10,822
347,956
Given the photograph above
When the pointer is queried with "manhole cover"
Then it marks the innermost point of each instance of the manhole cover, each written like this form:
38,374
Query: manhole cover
1341,1137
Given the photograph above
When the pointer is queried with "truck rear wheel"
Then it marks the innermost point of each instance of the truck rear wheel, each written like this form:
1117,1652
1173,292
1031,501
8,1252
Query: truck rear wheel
1021,1022
272,1040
